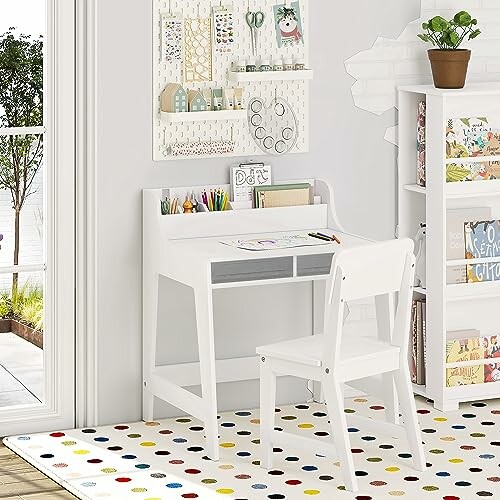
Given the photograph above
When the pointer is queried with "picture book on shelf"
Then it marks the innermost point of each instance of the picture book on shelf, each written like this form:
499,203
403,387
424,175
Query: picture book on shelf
465,375
477,171
455,240
491,346
464,345
421,111
471,137
417,348
492,372
482,240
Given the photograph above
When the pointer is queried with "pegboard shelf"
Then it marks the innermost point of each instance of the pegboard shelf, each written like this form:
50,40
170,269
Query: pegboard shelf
269,76
203,116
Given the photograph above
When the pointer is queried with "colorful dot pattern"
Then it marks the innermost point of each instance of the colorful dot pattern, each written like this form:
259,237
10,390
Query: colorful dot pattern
167,459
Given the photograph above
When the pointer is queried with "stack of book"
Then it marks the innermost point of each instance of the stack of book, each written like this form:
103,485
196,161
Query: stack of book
417,348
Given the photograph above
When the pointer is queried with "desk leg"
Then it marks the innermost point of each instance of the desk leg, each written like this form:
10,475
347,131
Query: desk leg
385,324
206,347
150,332
318,300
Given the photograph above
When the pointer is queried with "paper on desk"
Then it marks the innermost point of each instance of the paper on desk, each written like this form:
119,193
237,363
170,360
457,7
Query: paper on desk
279,243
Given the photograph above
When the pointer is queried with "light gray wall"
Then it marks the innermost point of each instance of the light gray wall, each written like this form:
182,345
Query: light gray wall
347,148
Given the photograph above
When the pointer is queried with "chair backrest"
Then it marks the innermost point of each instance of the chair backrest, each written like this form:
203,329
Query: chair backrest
381,269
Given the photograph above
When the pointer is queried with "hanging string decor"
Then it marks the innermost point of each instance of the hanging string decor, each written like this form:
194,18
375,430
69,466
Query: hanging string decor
201,148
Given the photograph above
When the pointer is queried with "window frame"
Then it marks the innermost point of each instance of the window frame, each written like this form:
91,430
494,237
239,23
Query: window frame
58,409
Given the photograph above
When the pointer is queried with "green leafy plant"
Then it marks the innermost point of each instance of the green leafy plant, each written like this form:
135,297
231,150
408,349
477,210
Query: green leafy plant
26,305
449,35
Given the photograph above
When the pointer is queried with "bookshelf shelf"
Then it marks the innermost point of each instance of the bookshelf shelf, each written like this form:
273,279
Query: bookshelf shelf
462,189
449,307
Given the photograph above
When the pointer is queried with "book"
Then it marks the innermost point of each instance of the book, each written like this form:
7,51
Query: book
471,137
491,346
421,159
455,243
477,171
283,195
464,375
492,372
482,240
464,345
420,344
417,342
413,342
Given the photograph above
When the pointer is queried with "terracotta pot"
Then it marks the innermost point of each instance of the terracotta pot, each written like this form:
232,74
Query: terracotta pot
449,67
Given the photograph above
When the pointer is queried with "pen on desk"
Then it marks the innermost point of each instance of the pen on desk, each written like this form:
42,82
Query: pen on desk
336,239
320,236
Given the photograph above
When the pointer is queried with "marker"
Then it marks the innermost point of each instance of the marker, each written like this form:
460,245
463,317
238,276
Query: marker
320,237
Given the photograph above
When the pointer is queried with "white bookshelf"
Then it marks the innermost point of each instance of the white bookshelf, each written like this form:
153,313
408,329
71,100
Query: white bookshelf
449,306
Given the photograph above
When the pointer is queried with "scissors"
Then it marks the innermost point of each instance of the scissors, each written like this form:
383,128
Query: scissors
255,21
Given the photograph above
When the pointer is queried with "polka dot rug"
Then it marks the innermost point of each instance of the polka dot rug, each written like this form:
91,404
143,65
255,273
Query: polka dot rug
166,459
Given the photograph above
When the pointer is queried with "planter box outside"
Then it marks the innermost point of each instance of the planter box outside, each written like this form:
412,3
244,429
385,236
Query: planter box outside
35,337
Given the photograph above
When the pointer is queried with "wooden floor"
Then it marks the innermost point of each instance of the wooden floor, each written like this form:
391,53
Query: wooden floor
19,480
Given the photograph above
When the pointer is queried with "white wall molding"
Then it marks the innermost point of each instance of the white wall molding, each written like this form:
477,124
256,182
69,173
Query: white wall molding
87,126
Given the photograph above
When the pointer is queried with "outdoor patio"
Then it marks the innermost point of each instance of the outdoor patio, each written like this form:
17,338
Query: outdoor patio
21,371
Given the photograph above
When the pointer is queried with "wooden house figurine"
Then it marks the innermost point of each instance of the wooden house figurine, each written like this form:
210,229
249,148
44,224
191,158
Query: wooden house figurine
197,101
174,99
207,94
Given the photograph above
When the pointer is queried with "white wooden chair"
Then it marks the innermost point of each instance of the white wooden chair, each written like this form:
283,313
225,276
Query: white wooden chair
378,270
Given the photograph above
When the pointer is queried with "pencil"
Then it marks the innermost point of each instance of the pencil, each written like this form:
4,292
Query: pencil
336,239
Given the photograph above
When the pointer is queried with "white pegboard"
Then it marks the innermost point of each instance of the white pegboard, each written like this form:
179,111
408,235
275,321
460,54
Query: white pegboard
295,91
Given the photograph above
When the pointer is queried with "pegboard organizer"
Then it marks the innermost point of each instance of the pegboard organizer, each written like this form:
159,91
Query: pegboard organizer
168,130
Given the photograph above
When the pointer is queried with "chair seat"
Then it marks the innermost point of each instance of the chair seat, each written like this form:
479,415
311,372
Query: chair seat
309,350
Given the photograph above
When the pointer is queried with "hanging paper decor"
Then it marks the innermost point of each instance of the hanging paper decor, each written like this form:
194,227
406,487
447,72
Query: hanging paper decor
274,128
223,21
171,38
198,50
201,148
288,24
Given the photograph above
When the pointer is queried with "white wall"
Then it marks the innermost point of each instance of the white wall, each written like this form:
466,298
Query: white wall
347,148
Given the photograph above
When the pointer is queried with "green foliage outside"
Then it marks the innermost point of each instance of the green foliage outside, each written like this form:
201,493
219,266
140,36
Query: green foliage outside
449,35
26,306
21,105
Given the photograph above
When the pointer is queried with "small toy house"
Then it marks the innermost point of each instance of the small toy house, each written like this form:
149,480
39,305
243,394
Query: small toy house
197,101
217,99
207,94
174,99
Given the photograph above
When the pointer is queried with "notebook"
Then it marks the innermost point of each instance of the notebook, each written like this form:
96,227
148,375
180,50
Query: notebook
283,195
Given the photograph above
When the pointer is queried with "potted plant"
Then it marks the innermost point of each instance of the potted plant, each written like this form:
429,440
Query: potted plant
450,63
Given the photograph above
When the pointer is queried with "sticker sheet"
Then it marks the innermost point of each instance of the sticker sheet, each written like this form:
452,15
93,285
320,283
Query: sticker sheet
198,50
171,38
223,21
288,24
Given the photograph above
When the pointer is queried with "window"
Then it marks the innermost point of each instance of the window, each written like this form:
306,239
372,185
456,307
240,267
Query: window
22,263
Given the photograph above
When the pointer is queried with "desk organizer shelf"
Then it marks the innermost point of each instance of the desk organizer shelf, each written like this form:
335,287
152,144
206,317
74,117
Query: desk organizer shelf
168,130
449,307
203,116
271,76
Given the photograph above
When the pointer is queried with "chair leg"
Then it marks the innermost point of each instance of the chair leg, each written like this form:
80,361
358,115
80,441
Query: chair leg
267,411
338,423
390,399
409,411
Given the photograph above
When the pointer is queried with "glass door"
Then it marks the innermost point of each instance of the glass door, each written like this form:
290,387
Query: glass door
36,215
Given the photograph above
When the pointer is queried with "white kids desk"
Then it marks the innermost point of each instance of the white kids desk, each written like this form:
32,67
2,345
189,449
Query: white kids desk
187,249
